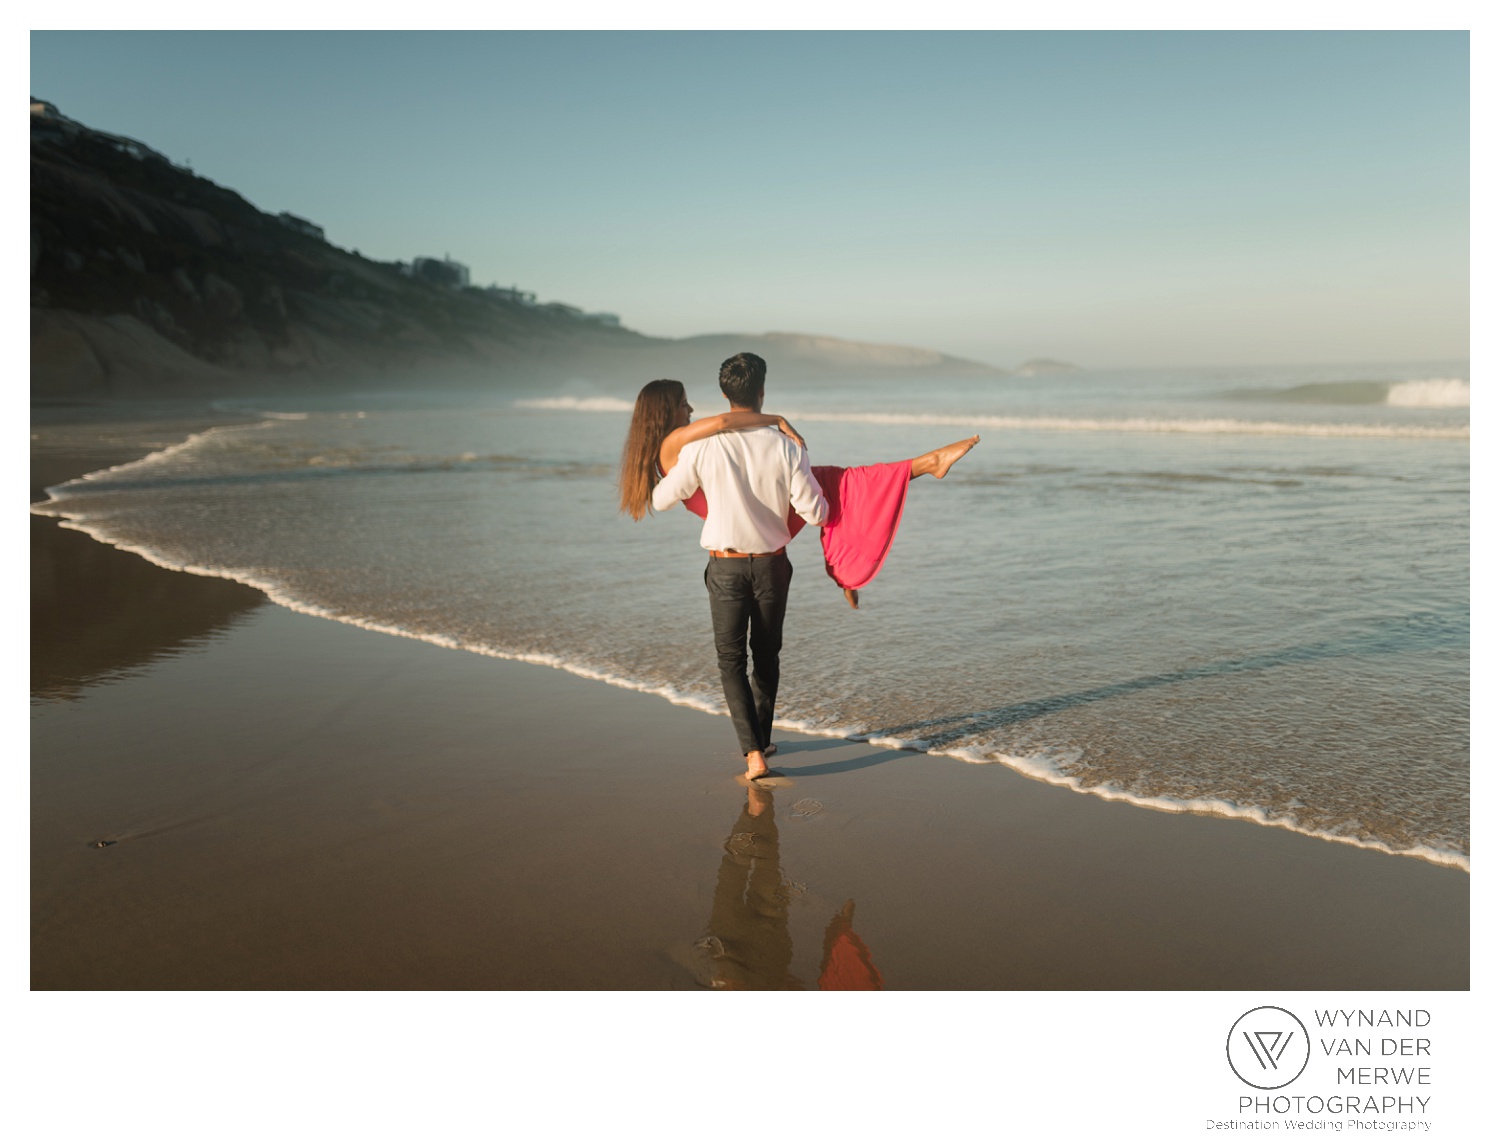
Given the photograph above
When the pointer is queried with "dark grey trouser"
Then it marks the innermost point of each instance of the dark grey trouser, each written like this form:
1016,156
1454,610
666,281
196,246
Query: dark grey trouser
749,594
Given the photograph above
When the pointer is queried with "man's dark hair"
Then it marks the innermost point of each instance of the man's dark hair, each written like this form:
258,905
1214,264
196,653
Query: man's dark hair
741,378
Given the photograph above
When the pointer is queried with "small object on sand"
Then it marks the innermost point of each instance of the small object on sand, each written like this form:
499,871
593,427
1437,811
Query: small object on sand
103,843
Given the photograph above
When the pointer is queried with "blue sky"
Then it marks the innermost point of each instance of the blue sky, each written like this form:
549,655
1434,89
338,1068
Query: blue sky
1111,198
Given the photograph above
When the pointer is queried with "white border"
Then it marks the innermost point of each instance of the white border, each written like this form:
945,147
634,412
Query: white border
1072,1064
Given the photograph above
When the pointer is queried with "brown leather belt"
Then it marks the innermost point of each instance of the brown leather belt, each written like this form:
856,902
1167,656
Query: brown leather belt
746,555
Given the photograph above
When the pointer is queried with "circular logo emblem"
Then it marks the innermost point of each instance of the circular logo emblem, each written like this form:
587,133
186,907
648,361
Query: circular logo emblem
1268,1047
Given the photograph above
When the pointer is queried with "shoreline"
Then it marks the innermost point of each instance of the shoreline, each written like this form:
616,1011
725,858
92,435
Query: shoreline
1030,767
932,851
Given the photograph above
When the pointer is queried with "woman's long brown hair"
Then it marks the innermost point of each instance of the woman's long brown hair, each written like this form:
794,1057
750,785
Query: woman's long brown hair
652,421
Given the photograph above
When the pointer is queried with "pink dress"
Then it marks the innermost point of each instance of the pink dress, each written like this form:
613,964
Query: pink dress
864,513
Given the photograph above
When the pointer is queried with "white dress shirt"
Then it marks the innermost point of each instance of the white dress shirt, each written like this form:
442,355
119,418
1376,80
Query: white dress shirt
748,478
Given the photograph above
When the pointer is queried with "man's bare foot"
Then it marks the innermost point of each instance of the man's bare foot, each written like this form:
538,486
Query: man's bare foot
755,765
770,750
936,463
852,596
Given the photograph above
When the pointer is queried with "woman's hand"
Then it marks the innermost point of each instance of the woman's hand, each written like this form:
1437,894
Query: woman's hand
781,422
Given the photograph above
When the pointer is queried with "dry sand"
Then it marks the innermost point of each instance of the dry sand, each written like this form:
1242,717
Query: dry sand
292,803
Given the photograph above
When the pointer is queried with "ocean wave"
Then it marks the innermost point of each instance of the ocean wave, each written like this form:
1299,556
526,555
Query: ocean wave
578,404
1449,393
147,461
1434,393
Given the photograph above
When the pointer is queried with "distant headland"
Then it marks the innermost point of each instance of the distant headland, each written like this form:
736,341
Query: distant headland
1041,366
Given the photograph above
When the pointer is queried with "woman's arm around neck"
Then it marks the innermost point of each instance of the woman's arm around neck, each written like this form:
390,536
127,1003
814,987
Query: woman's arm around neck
735,421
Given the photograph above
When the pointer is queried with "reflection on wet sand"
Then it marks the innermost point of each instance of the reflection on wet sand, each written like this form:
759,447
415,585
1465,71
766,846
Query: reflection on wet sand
846,960
97,612
748,941
748,944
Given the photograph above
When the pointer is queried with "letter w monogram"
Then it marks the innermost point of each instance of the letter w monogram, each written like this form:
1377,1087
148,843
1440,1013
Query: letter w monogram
1268,1046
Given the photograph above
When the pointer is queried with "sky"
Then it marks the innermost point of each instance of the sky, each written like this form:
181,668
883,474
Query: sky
1114,199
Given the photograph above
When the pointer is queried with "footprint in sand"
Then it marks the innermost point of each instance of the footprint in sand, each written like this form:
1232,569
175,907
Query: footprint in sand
806,807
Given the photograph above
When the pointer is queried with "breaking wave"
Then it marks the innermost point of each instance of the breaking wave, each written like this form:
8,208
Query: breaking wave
1435,393
1429,394
578,404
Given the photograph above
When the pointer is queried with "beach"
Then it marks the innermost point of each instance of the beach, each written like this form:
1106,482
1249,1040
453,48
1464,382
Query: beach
229,794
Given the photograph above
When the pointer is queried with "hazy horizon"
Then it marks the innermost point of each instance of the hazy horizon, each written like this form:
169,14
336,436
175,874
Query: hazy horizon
1117,200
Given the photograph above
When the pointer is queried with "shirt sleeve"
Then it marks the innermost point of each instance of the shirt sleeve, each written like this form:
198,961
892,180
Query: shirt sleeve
807,496
677,484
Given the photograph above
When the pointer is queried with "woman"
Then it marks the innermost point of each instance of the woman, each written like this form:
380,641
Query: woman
864,503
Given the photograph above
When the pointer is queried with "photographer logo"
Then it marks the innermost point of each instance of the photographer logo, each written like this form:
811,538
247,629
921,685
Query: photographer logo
1268,1047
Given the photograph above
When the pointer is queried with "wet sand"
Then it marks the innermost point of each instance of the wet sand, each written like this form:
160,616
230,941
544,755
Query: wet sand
287,802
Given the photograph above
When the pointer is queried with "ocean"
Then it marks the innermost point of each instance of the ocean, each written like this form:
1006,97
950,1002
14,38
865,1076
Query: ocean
1241,591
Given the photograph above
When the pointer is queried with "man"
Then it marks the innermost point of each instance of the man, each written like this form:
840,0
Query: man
750,480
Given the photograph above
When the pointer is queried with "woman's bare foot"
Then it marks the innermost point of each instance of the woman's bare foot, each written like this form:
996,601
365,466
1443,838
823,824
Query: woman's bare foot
852,596
936,463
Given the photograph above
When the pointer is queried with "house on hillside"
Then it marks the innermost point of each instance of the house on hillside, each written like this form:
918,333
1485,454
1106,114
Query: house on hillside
610,319
301,225
512,294
440,271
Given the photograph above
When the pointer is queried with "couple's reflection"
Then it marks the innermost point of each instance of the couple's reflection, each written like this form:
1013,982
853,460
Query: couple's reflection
748,943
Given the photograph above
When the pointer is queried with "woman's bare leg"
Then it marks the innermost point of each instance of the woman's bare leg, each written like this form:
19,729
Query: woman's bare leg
936,463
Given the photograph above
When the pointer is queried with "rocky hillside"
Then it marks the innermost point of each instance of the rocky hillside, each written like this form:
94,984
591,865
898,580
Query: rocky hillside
147,278
145,275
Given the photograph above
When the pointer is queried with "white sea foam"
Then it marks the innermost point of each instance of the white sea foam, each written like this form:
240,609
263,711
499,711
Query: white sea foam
1051,767
146,461
578,404
1429,394
240,408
